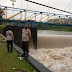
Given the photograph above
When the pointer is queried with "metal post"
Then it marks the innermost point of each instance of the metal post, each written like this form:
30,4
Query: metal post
47,18
69,20
54,18
6,12
59,20
35,16
41,16
13,7
25,14
21,16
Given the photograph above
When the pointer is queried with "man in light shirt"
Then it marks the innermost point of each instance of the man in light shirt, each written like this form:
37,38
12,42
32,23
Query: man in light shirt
26,33
10,38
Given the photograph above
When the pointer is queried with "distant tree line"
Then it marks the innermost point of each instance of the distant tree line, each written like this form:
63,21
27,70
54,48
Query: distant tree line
1,15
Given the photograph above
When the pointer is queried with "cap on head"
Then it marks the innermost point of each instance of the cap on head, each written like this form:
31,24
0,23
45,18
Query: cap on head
9,28
26,26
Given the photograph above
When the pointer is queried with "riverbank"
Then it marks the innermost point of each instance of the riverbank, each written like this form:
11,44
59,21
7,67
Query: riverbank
54,27
8,61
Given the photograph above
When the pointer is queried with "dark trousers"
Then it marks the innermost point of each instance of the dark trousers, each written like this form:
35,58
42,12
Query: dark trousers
25,47
10,45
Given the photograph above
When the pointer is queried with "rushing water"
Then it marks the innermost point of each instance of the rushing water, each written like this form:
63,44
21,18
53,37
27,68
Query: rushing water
54,39
54,50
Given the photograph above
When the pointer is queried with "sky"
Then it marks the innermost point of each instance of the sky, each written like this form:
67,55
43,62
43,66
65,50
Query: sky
60,4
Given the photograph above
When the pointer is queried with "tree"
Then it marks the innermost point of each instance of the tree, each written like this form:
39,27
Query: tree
1,14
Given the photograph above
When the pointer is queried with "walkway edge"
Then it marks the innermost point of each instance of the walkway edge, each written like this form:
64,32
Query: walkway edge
33,61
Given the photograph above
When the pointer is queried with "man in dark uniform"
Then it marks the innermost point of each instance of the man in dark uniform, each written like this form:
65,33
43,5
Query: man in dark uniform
26,33
10,38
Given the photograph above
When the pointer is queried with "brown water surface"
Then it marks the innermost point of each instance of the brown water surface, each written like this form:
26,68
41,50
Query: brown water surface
54,39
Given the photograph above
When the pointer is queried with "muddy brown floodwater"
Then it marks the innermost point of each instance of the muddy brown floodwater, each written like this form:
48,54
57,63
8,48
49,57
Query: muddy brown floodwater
54,50
54,39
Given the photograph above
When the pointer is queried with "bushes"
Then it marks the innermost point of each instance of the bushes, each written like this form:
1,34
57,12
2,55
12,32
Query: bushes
54,27
1,28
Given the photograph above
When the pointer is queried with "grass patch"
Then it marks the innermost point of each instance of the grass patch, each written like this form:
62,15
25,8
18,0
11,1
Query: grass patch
2,26
8,61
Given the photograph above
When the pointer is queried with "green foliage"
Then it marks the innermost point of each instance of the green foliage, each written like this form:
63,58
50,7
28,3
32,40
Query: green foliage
54,27
1,28
1,14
